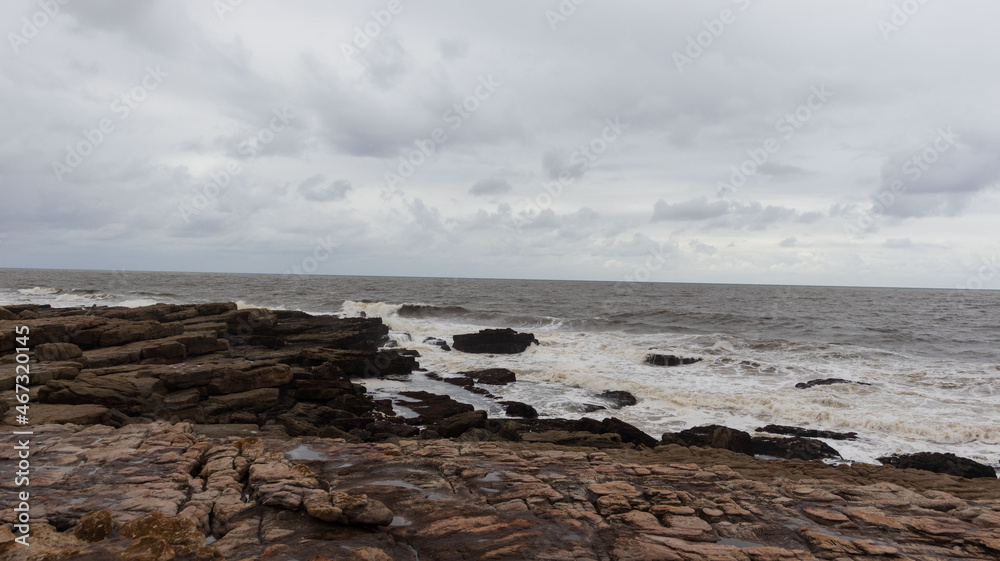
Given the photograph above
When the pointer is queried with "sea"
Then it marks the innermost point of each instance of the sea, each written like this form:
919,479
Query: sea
931,357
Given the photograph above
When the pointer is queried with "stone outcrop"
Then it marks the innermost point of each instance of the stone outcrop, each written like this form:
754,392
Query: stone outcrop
827,382
808,433
655,359
175,491
493,341
940,463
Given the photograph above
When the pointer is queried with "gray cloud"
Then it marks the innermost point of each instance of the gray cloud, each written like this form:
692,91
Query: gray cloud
424,75
490,187
316,188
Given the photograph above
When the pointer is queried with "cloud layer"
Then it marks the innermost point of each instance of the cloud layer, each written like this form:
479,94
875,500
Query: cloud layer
834,143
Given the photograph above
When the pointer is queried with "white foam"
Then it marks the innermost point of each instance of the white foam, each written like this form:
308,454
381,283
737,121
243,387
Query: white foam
39,290
912,405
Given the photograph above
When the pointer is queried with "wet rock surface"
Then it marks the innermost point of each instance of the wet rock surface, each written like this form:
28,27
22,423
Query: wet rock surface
210,432
669,360
940,463
493,341
827,382
153,490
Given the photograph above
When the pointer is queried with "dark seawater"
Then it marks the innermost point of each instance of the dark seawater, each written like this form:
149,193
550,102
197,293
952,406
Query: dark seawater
932,355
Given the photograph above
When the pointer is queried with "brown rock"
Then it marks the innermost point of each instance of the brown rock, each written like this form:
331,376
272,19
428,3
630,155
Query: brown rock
149,548
263,376
174,530
47,352
6,314
263,396
94,526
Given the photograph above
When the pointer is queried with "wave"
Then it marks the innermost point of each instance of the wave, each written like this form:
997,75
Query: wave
39,291
430,311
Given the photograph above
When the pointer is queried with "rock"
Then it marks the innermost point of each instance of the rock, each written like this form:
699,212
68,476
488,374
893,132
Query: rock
179,532
433,407
263,397
492,376
619,398
149,548
437,342
573,438
260,376
669,360
940,463
457,424
627,432
6,314
518,409
359,509
827,382
57,352
494,341
808,433
94,526
795,447
711,436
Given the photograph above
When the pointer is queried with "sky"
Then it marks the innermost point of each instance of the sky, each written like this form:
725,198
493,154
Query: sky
829,142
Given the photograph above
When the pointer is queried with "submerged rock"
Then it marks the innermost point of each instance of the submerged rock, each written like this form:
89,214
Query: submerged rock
808,433
940,463
669,360
618,398
827,382
494,341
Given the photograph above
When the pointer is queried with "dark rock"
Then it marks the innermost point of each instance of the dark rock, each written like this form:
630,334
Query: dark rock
711,436
518,409
795,447
457,424
669,360
940,463
591,407
494,341
808,433
827,382
492,376
57,352
619,398
432,407
629,433
437,342
477,435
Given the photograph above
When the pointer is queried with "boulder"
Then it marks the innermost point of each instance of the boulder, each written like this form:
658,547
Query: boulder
827,382
940,463
518,409
711,436
6,314
618,398
795,447
494,341
437,342
457,424
179,532
808,433
433,407
94,526
668,360
491,376
51,352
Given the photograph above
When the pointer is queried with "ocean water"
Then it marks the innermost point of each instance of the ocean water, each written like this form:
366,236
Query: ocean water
932,357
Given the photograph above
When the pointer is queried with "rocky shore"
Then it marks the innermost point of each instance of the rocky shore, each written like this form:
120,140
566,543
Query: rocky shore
211,432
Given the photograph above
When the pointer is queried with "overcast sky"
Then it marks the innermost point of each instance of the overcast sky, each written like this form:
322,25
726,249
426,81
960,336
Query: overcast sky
847,142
